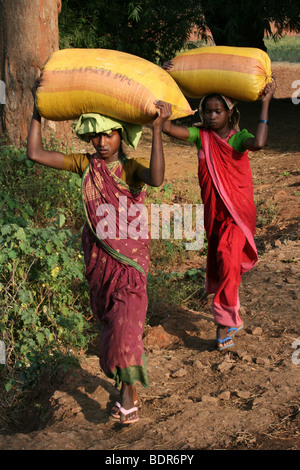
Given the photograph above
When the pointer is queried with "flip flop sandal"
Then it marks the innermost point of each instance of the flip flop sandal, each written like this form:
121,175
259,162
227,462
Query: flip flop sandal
219,340
116,414
234,330
226,345
126,413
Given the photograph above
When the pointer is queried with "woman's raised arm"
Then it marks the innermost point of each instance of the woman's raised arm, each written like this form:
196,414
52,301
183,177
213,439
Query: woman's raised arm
35,150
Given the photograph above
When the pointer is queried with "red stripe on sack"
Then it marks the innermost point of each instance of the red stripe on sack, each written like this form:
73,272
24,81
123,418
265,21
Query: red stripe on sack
96,81
224,62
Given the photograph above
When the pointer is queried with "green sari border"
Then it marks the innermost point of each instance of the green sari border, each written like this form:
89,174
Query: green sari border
118,256
131,374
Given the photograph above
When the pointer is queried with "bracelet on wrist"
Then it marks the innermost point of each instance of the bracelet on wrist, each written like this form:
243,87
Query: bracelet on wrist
263,121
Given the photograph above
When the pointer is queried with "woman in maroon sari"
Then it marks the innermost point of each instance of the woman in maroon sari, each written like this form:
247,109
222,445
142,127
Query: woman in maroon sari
115,239
227,194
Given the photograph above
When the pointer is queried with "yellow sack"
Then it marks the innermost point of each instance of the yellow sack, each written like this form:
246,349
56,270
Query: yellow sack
237,72
108,82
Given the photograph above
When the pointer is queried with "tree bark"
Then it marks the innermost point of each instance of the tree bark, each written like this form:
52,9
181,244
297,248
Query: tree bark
28,36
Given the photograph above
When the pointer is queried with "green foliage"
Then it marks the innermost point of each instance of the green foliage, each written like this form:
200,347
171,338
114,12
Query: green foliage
38,194
159,195
285,15
171,251
154,30
167,285
158,29
77,26
244,23
176,288
43,293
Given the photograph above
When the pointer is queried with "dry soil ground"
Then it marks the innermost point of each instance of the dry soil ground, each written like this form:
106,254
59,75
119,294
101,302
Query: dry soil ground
246,398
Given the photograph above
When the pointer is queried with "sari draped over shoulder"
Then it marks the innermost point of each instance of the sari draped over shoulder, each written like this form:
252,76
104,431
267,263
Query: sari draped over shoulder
229,218
116,250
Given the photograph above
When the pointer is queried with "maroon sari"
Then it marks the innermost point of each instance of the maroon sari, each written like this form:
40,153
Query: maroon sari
116,252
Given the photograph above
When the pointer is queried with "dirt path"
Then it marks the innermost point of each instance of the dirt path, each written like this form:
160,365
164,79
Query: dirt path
247,398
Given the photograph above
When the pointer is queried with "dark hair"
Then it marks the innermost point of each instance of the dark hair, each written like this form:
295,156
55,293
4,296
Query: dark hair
215,95
121,151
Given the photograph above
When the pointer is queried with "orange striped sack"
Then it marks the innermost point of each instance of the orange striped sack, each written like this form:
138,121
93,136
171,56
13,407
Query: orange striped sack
108,82
237,72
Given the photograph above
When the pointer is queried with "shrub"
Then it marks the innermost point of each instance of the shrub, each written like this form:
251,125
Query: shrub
43,293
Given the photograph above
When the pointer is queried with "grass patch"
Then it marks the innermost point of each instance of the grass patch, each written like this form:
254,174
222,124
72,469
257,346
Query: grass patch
286,49
167,284
169,289
266,213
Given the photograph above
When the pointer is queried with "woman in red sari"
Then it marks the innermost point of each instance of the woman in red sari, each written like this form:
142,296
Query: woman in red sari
227,194
116,247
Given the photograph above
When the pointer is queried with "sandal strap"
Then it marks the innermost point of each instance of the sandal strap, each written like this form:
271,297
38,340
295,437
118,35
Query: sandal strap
232,328
225,339
127,412
235,329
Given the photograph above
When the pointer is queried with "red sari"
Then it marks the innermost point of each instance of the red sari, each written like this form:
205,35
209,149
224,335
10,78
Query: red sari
229,219
116,269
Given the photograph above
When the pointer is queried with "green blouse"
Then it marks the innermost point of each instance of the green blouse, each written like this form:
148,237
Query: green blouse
236,140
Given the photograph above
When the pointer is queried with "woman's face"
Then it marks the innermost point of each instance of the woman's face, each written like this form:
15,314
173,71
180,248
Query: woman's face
107,145
216,116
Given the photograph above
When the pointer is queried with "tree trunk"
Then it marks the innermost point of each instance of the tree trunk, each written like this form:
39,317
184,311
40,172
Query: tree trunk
28,36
